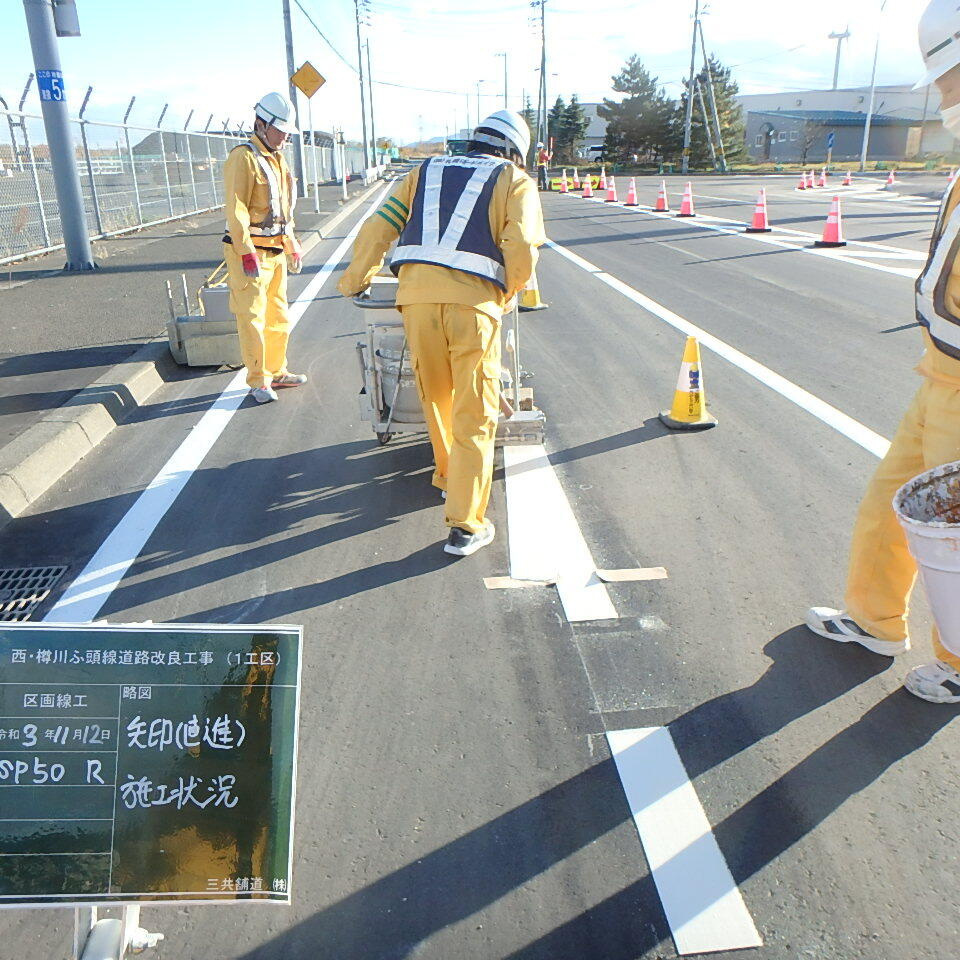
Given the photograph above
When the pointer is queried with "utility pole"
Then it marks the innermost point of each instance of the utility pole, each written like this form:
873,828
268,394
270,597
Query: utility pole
543,73
688,120
363,99
873,93
478,102
44,24
706,124
504,55
839,37
298,164
373,126
713,103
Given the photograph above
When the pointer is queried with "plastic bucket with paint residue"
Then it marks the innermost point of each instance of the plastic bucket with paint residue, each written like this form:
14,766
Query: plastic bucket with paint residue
928,508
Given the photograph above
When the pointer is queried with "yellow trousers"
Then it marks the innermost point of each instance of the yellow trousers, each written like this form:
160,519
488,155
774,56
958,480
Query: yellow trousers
456,355
260,306
882,572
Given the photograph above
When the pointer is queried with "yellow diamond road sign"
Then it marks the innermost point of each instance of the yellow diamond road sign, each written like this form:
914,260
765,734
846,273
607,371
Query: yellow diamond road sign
308,79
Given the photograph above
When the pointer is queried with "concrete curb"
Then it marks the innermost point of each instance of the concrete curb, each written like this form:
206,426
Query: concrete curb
45,452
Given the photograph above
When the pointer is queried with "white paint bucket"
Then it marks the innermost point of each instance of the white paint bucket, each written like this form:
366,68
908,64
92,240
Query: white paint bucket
928,508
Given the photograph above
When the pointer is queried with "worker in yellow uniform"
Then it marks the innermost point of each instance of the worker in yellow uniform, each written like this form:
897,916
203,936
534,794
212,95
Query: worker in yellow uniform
260,195
467,230
882,572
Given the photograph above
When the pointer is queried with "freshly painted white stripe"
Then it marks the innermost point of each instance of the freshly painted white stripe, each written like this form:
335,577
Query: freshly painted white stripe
703,904
830,415
84,598
546,543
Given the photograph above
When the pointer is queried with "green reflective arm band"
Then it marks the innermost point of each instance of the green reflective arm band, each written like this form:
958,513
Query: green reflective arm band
389,218
401,205
395,208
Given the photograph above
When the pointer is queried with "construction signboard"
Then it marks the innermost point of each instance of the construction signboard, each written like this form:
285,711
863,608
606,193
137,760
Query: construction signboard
147,762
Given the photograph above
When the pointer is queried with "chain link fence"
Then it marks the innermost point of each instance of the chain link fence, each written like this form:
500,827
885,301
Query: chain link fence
131,177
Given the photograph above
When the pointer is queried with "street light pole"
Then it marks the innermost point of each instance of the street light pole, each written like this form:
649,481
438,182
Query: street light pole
873,93
42,28
298,153
685,162
373,126
363,98
504,55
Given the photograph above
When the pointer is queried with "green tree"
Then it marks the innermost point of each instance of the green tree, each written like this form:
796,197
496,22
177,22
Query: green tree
725,90
573,128
642,122
555,122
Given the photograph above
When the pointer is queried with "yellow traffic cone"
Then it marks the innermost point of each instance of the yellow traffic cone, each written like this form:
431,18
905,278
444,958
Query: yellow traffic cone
530,295
689,410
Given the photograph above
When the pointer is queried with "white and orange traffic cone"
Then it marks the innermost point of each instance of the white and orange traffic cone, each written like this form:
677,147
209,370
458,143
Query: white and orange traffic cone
760,223
632,194
530,295
891,181
802,185
564,188
811,180
686,205
823,177
588,188
663,204
611,191
576,179
833,229
689,409
848,179
603,179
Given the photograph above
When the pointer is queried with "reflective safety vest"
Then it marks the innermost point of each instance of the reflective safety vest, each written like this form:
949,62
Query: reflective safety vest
449,222
277,221
931,287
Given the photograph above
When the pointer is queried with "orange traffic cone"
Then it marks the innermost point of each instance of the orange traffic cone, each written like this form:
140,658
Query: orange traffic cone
823,177
891,181
530,295
576,179
760,224
848,180
811,180
563,183
663,204
588,188
833,230
686,205
611,191
632,194
603,179
802,185
689,410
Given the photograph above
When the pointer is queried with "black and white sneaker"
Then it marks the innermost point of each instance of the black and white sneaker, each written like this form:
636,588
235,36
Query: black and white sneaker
461,543
840,626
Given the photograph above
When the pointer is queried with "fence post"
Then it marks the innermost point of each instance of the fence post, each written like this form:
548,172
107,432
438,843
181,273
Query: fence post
36,182
86,153
163,159
133,165
213,176
193,182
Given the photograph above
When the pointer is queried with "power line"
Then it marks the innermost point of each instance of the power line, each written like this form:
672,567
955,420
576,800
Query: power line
324,37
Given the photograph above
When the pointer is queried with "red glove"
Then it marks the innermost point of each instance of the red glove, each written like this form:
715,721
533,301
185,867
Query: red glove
250,266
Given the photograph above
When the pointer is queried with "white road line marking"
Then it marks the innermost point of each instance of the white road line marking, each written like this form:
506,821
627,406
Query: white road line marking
700,898
545,539
830,415
85,597
706,222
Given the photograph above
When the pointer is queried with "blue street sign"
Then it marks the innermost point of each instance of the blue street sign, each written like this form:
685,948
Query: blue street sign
830,139
51,85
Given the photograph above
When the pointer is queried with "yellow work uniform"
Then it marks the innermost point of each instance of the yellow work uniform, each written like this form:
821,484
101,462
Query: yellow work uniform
882,571
258,303
452,322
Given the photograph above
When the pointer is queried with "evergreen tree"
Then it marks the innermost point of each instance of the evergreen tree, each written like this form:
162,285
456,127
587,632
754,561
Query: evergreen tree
642,122
732,126
573,128
555,123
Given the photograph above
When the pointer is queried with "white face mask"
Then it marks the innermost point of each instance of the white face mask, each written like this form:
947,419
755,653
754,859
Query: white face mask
951,119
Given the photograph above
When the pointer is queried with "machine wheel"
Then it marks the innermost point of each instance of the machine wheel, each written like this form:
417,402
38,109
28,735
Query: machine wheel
384,438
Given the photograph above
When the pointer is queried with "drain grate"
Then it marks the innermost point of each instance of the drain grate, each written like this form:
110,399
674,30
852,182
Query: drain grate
23,589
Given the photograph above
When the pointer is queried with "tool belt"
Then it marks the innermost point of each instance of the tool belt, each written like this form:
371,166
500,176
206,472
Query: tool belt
268,249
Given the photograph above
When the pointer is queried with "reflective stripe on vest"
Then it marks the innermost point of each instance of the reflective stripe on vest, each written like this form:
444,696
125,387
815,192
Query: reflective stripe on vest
449,222
276,223
931,287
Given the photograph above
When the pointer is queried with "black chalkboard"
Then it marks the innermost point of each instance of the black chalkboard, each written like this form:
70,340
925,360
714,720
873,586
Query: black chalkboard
147,762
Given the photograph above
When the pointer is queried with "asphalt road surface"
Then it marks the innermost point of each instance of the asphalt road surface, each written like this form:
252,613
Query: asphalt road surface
457,796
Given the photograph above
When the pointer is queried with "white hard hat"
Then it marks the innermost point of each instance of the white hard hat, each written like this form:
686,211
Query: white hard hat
505,129
276,109
939,39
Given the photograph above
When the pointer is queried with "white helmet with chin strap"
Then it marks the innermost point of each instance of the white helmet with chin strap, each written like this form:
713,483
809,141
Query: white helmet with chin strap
276,109
939,39
505,129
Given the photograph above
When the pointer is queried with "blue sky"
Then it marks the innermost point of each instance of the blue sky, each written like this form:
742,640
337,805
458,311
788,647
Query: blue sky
219,56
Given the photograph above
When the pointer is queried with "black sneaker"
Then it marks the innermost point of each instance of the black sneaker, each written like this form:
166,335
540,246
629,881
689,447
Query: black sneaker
461,543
